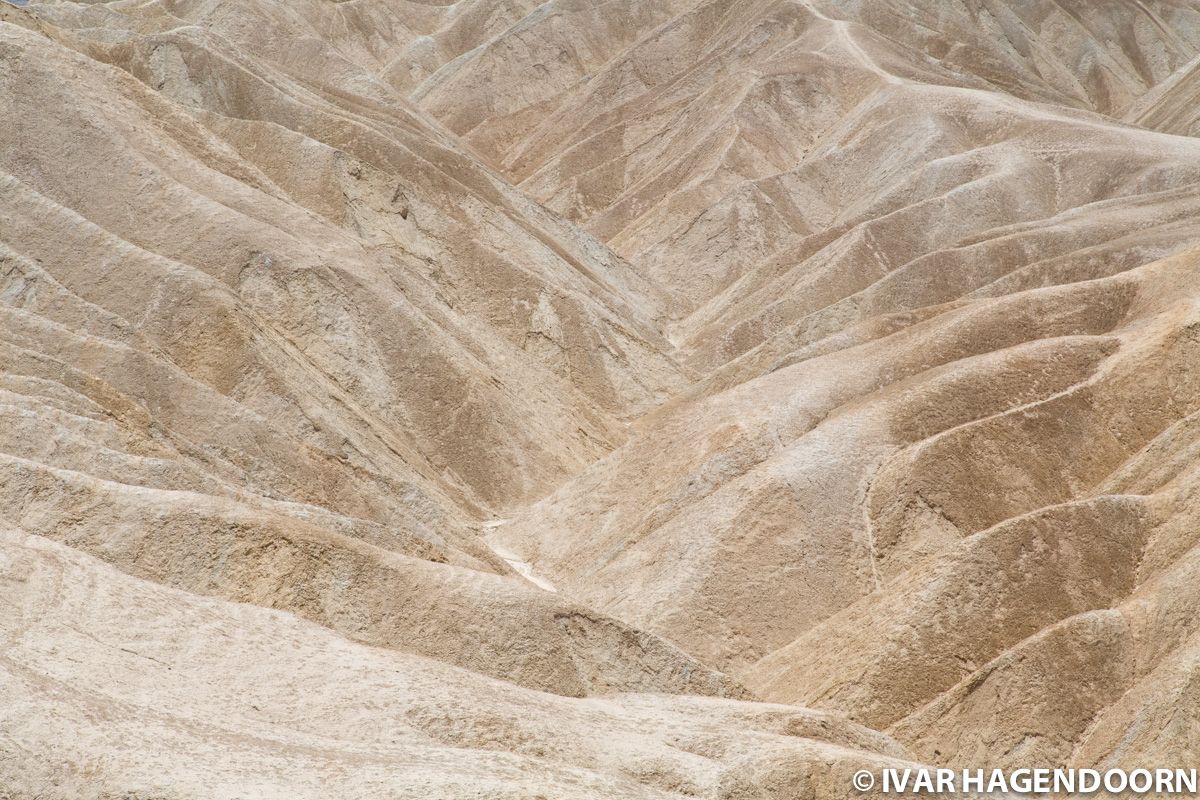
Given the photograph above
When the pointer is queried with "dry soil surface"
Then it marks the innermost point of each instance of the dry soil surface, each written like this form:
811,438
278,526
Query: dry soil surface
573,399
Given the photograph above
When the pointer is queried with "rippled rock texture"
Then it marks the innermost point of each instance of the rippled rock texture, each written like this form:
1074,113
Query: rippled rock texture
503,399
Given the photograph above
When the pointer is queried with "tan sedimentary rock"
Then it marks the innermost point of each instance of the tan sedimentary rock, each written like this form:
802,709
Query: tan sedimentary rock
571,399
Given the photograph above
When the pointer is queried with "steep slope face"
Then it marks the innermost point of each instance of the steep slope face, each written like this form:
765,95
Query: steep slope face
931,337
543,57
1171,106
373,165
191,697
1099,56
851,478
697,152
297,299
999,197
210,383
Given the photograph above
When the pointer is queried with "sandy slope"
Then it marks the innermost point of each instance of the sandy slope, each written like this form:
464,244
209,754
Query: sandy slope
832,354
120,687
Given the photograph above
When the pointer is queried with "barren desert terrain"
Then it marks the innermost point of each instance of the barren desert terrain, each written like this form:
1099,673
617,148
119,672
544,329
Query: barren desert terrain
632,399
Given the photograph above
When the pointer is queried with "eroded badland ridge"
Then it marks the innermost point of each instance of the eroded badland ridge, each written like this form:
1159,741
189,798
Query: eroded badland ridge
506,399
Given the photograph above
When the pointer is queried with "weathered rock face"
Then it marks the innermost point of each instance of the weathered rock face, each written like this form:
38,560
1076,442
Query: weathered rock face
594,400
